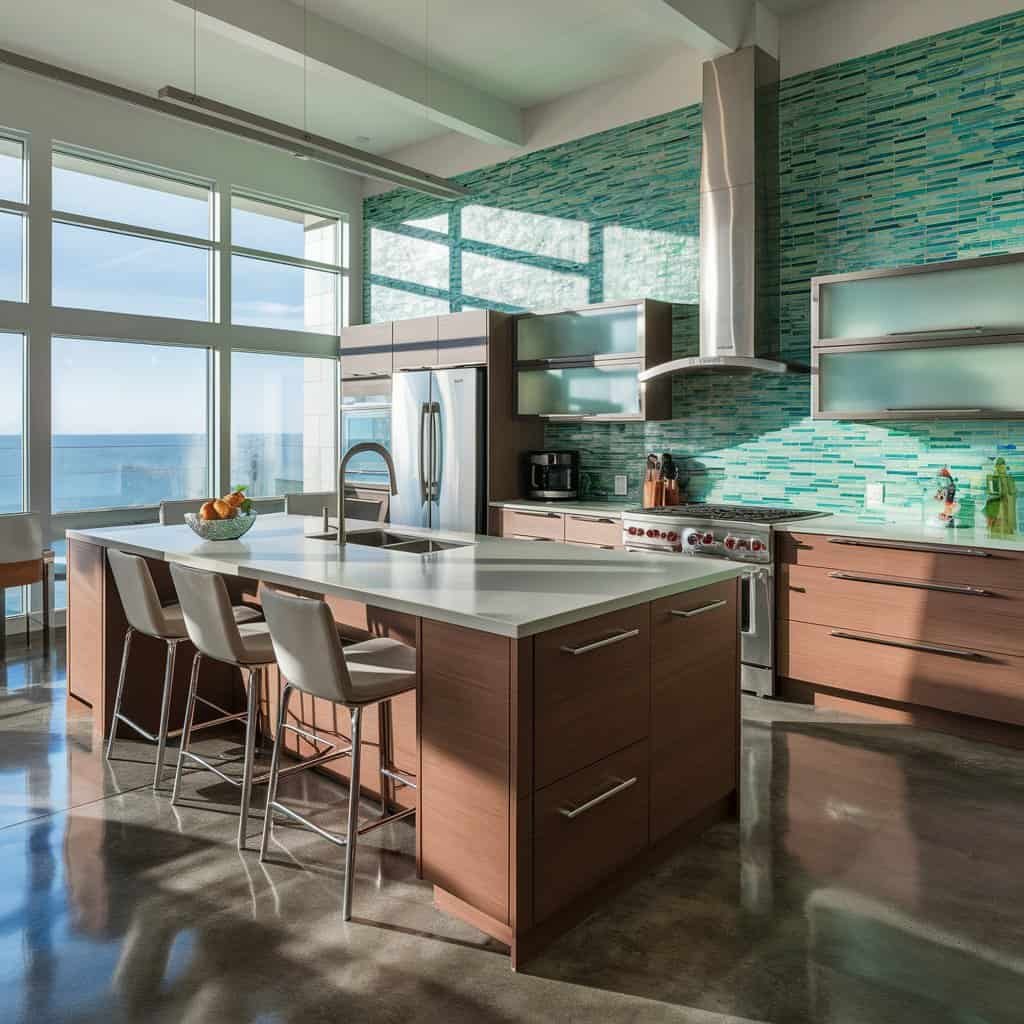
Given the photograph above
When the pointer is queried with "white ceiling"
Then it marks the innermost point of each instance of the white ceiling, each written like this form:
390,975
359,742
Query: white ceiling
522,51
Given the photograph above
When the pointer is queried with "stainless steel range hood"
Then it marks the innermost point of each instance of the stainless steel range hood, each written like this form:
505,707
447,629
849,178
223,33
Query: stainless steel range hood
739,217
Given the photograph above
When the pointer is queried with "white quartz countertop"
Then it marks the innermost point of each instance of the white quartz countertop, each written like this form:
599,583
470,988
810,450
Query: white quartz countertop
914,532
509,587
584,507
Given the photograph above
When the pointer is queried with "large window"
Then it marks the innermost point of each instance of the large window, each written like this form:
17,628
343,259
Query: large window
287,267
282,423
13,219
12,423
131,240
130,424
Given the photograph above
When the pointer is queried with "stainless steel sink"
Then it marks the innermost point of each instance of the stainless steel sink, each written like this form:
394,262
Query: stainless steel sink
390,541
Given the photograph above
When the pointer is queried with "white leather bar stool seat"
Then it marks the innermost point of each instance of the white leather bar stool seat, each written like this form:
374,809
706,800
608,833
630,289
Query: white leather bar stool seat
146,615
312,660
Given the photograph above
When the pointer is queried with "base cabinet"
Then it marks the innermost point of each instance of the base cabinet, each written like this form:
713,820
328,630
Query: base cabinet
551,765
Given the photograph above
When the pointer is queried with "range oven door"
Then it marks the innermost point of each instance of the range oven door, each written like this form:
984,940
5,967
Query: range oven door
757,630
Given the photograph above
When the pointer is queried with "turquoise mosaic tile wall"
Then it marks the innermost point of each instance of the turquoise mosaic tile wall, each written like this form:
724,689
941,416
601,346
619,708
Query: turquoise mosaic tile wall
908,156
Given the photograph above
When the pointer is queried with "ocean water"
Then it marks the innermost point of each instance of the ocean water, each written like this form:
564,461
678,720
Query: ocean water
95,471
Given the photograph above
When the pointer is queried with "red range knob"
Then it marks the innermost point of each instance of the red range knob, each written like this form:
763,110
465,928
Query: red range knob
672,535
652,533
756,545
632,531
708,538
730,542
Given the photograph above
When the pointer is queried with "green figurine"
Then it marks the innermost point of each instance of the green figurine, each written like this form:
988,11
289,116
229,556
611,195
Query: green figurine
1001,500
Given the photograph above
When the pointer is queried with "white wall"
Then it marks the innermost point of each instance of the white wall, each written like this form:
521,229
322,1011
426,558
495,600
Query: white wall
812,38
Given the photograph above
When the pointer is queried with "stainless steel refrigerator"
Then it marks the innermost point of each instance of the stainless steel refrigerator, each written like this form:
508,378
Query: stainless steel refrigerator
438,426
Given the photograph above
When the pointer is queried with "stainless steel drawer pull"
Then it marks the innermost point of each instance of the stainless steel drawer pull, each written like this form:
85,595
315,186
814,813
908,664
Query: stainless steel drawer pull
698,611
936,330
592,519
536,515
936,410
945,588
575,812
617,638
910,645
891,545
524,536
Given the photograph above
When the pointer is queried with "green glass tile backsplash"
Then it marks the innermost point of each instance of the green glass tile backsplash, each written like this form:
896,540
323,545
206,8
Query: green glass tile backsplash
908,156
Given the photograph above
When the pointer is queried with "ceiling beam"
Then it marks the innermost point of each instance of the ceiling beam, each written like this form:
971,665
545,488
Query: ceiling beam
719,27
406,81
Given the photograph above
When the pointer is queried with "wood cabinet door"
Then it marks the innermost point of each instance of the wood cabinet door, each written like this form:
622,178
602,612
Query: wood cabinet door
366,351
526,524
462,338
694,703
599,531
415,343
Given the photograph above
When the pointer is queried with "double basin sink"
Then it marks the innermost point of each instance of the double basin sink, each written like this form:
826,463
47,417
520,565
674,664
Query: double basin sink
389,541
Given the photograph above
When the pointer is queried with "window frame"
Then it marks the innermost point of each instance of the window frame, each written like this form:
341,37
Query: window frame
20,208
340,270
211,244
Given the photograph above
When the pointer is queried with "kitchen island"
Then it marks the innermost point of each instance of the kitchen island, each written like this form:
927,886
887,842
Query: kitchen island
576,715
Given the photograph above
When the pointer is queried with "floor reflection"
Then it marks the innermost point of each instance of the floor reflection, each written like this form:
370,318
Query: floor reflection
874,877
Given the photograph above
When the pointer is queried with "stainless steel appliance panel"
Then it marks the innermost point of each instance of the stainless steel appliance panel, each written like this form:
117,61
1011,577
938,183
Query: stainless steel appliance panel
410,448
757,631
457,428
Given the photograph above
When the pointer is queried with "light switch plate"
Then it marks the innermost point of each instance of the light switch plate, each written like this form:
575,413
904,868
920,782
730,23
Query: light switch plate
621,485
874,495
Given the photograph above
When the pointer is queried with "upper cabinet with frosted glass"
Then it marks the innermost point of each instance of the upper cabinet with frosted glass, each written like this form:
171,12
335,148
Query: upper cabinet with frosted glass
583,364
941,341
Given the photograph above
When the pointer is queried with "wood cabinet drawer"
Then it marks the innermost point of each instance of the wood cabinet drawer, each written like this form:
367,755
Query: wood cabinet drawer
538,525
990,686
602,531
694,703
587,825
591,691
935,562
958,615
366,351
462,338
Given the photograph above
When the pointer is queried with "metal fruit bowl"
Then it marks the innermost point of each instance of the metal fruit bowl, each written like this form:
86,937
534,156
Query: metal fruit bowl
220,529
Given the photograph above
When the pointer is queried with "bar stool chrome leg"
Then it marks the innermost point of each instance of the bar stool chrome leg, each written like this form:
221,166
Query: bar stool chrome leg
384,754
252,725
353,814
275,764
186,732
115,718
165,712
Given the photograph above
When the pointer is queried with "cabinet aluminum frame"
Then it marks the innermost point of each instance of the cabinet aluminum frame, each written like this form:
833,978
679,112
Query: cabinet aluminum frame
904,343
945,335
610,359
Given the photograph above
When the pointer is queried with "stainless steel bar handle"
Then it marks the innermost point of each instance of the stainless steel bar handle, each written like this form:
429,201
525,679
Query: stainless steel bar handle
934,409
910,645
593,519
536,515
575,812
436,441
424,474
945,588
526,536
938,330
891,545
698,611
625,634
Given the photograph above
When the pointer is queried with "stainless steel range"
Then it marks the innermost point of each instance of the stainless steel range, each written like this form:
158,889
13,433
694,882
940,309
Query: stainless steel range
742,533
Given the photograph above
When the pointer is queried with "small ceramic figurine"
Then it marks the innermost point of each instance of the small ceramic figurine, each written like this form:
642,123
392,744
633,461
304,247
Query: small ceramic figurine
1001,500
945,494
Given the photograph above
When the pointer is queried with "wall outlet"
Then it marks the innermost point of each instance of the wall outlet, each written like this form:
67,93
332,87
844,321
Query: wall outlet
874,495
621,485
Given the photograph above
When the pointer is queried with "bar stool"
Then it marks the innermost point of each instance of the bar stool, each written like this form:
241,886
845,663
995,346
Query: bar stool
146,615
312,660
215,634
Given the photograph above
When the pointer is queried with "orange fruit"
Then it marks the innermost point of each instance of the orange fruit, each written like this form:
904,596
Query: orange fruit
208,511
223,509
234,499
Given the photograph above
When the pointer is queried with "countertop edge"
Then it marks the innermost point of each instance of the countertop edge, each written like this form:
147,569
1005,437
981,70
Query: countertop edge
909,533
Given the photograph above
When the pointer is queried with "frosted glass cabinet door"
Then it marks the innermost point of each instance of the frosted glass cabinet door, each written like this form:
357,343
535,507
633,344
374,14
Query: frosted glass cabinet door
615,331
955,381
579,390
962,300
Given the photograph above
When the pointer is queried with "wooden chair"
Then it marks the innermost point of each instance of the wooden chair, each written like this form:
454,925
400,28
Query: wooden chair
24,561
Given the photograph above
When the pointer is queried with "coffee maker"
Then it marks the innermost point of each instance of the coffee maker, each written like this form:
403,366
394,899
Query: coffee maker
551,476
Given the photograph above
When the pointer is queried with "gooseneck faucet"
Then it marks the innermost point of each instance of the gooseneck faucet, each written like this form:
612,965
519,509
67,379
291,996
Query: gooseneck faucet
358,449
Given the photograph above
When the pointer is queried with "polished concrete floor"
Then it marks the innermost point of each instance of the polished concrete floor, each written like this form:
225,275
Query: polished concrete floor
877,875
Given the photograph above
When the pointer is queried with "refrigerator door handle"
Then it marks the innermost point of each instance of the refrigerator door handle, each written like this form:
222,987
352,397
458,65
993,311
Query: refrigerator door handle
436,445
424,451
